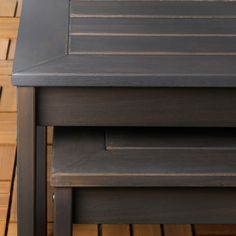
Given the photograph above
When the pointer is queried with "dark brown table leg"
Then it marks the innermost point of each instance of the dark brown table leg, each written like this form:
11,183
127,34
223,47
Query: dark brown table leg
63,212
41,181
30,162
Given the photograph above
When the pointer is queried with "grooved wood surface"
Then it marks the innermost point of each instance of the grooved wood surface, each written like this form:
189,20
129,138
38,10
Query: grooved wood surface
9,13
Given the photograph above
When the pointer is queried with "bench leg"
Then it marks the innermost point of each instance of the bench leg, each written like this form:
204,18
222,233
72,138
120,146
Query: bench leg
63,212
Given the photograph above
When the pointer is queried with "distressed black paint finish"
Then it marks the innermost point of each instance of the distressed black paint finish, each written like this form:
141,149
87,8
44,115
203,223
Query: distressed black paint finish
154,8
26,160
155,205
142,157
31,168
63,212
154,45
172,43
209,107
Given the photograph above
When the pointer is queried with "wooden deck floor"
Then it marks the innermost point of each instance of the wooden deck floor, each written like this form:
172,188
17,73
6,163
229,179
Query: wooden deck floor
9,19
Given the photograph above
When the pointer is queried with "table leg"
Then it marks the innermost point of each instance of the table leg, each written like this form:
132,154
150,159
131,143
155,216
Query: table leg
63,211
30,161
41,181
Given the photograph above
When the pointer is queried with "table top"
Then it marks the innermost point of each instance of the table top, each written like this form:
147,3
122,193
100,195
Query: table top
172,43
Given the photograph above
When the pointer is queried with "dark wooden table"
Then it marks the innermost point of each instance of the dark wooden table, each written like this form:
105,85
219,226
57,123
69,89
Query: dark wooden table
118,63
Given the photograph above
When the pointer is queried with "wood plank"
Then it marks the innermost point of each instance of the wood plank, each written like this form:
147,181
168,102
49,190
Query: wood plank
7,7
3,48
49,135
5,187
85,230
78,230
4,201
12,229
9,27
153,8
19,8
215,230
178,230
7,160
12,49
50,229
6,67
152,26
7,128
50,192
8,97
50,189
13,213
147,229
115,230
153,45
2,228
49,161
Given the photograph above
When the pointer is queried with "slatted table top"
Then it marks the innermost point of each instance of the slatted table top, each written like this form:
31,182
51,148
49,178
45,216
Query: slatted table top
175,43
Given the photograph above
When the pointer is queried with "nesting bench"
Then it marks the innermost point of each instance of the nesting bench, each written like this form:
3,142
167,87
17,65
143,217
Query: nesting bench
142,97
143,175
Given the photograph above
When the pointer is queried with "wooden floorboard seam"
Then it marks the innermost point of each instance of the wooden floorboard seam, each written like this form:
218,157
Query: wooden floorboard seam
11,195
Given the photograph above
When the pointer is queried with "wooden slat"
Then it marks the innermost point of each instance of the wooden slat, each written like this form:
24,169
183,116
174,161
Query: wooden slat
215,230
152,26
153,8
13,213
147,229
85,230
50,192
50,135
8,27
8,97
4,200
19,7
7,7
7,128
12,229
155,45
7,159
2,228
177,230
78,230
5,67
3,48
50,229
115,230
11,53
5,187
